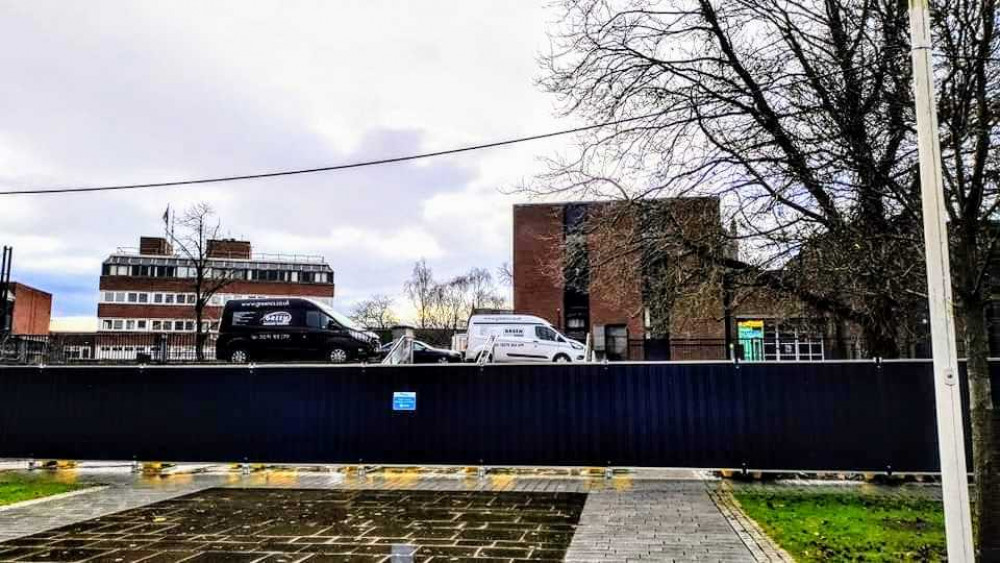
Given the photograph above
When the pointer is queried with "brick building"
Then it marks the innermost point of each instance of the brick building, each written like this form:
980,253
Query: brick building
151,290
556,248
29,311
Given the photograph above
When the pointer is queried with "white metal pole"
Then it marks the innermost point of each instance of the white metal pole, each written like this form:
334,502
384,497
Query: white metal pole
948,401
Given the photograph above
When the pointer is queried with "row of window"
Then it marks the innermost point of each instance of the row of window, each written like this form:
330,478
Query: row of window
156,325
293,276
143,297
161,298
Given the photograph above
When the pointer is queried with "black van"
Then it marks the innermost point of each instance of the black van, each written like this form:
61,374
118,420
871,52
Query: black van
292,330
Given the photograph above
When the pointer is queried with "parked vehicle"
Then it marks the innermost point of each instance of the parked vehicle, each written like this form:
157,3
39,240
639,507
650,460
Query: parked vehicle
424,353
520,338
291,329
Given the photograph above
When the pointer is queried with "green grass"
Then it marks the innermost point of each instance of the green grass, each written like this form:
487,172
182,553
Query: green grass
16,488
848,526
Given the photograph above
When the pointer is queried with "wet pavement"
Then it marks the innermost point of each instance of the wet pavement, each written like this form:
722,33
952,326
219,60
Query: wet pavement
294,525
316,514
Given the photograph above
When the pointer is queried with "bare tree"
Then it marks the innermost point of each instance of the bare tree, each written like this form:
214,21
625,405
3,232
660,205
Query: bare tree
796,117
421,290
375,313
448,304
199,229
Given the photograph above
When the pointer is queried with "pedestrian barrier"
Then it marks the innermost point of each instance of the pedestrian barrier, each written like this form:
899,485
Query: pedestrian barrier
821,416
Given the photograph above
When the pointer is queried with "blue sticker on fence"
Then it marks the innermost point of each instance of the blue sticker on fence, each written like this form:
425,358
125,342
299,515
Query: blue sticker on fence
404,401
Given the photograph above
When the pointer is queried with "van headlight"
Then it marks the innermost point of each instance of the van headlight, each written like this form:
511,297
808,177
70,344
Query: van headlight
576,346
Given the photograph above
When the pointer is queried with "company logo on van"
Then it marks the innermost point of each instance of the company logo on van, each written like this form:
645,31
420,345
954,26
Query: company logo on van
279,318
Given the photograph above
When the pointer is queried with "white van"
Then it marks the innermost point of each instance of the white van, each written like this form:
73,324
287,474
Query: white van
520,338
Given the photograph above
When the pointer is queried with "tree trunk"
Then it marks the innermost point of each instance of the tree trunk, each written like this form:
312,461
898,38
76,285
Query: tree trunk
880,341
199,336
986,503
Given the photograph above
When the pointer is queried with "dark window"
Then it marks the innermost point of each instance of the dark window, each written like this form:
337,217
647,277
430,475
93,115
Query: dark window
545,333
616,342
314,319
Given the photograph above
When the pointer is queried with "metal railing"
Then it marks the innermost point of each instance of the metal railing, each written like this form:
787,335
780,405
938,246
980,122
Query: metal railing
400,353
105,348
222,255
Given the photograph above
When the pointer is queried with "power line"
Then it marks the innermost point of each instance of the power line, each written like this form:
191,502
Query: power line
361,164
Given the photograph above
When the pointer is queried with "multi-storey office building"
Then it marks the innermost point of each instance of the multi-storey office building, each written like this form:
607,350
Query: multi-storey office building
151,290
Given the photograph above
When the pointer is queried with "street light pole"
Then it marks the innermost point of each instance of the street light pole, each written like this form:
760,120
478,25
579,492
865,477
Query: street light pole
947,399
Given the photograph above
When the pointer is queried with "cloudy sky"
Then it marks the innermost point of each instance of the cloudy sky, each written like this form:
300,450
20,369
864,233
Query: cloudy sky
110,92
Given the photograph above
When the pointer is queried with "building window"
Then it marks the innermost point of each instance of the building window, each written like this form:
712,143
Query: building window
109,297
168,298
191,299
157,298
787,340
133,297
117,324
616,342
157,325
178,325
189,326
106,324
130,324
141,324
143,298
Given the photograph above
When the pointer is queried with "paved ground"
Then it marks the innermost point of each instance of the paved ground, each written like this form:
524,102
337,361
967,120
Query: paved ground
226,524
664,516
671,522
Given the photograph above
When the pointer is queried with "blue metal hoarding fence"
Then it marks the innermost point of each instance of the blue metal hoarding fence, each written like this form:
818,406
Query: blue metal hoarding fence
858,416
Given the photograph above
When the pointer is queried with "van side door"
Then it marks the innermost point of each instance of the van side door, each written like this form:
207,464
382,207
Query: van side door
511,345
317,333
546,343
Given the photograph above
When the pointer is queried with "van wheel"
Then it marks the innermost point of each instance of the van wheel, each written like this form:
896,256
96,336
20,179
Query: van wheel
239,356
337,356
561,359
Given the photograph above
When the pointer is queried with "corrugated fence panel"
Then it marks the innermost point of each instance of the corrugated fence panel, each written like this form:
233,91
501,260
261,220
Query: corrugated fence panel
858,416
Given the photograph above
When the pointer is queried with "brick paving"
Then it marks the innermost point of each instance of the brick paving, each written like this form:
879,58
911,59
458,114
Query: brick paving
319,525
671,522
123,491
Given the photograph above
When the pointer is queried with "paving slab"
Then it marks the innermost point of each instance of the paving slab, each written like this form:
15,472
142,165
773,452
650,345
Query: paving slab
673,521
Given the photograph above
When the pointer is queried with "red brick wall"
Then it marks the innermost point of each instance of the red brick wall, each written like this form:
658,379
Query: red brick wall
32,310
538,260
238,249
616,285
157,246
